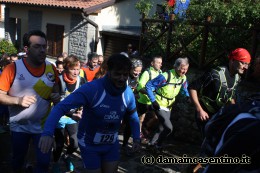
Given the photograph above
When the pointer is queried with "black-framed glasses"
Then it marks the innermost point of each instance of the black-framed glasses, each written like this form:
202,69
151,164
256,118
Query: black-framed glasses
244,63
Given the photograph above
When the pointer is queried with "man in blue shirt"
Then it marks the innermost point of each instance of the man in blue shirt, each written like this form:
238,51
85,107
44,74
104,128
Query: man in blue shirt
105,102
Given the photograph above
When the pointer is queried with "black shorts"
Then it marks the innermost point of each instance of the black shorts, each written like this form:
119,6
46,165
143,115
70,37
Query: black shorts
142,108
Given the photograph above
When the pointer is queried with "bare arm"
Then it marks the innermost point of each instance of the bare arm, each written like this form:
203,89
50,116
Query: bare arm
24,101
232,101
201,113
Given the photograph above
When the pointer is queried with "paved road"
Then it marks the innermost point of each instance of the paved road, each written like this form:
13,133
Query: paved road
131,164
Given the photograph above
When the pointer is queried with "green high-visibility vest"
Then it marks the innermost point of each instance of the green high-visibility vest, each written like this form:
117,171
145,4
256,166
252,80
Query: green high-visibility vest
165,95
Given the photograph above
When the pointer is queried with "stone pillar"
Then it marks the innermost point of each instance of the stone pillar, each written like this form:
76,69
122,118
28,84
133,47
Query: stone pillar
78,37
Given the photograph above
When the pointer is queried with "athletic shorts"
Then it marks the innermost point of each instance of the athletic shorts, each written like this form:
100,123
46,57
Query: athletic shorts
142,108
93,155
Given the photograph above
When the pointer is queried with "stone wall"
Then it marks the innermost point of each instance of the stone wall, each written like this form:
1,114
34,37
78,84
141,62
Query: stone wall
246,89
81,37
183,116
184,125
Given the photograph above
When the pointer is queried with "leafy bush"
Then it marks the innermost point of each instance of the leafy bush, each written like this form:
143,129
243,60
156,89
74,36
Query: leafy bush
232,24
7,47
144,6
243,13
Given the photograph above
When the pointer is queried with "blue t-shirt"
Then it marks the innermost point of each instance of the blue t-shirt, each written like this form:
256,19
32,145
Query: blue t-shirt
104,106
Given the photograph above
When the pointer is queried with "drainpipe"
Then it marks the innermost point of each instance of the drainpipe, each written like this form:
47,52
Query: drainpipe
96,40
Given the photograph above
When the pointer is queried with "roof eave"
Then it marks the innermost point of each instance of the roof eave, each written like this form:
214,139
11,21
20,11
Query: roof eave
95,8
45,6
87,11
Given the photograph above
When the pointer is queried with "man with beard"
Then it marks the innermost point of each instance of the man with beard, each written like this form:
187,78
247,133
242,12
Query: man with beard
105,103
92,67
216,88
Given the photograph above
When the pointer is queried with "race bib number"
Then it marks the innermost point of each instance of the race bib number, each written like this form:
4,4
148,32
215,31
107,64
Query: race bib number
105,138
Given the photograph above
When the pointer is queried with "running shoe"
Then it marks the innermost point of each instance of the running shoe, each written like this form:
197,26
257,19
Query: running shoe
68,163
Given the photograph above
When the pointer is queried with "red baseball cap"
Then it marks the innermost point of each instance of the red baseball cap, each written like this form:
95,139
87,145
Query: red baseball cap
240,54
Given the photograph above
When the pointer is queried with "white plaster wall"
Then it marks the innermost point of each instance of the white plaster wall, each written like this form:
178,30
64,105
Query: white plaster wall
2,24
123,14
2,6
2,30
58,17
129,15
51,16
22,14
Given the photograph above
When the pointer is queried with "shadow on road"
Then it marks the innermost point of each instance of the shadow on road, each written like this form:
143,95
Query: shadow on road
142,162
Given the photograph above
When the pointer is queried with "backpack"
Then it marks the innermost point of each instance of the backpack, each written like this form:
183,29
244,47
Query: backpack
217,125
233,133
168,83
150,73
224,94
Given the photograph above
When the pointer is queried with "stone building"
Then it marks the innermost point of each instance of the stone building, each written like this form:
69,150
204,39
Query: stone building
78,27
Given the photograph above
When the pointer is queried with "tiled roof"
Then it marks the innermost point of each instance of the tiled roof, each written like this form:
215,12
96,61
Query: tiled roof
89,6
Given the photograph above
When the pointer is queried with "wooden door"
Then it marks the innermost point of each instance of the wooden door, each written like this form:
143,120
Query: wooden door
55,39
116,43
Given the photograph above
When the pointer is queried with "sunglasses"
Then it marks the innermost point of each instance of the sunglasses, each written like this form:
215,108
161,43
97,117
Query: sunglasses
244,63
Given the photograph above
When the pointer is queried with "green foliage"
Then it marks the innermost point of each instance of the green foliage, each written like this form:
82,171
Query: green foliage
144,6
7,47
233,22
243,13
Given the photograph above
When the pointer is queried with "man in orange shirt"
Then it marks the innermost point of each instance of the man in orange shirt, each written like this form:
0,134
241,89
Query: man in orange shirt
92,67
26,87
100,59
